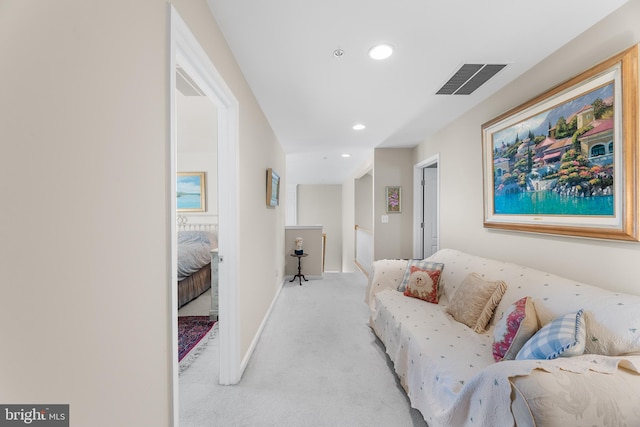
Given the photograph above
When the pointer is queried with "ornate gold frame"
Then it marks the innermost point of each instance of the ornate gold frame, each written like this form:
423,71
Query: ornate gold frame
623,224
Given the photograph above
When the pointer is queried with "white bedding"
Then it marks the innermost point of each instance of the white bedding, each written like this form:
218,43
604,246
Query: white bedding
194,251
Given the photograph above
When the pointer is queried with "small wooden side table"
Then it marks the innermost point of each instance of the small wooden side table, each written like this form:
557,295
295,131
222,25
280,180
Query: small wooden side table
299,275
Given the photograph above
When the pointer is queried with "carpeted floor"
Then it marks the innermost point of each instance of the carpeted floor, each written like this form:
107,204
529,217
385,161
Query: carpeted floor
317,364
191,329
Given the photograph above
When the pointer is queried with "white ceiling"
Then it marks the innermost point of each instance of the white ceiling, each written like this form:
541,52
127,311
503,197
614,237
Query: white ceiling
312,99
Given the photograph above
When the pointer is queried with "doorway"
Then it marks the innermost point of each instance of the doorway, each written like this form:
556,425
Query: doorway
186,52
197,153
426,233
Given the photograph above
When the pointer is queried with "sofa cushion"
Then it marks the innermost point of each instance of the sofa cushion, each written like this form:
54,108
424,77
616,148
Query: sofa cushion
562,337
475,300
423,284
514,329
385,274
613,325
422,264
612,318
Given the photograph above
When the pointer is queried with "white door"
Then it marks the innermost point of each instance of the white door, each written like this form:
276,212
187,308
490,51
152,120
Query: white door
430,227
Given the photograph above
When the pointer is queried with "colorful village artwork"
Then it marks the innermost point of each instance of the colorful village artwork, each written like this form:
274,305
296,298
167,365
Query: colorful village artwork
559,162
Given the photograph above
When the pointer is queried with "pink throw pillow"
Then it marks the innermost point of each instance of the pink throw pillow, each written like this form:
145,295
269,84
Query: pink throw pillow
518,323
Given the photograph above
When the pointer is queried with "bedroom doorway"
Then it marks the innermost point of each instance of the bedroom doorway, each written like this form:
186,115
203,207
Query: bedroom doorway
186,52
197,214
426,240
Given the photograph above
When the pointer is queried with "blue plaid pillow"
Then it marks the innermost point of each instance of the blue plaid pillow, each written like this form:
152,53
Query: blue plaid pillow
563,337
421,264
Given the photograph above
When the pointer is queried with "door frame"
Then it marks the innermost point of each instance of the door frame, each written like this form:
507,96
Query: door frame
418,202
185,50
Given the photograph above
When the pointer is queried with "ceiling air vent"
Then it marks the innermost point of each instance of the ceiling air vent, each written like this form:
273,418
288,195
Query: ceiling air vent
469,78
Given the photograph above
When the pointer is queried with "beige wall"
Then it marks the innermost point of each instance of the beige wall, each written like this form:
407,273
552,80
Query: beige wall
85,218
349,215
608,264
322,204
364,201
311,265
197,129
348,226
393,167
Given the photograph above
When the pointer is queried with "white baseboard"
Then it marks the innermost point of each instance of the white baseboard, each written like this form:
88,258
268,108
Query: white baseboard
256,338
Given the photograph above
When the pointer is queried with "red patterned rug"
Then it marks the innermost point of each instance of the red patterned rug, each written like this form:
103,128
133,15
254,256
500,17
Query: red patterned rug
191,329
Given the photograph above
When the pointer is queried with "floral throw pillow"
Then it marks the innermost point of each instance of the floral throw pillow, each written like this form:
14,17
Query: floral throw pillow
518,323
423,284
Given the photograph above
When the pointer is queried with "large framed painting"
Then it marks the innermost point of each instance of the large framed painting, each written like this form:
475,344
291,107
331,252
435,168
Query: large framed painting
191,192
567,161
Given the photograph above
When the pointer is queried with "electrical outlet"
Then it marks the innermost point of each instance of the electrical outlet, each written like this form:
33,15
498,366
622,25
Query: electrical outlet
385,219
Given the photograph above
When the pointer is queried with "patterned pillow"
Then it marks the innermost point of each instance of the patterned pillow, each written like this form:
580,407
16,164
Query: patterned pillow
518,323
421,264
475,300
423,284
562,337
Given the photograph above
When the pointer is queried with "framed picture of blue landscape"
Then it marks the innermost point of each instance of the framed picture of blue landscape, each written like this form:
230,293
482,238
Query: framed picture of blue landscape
191,192
567,161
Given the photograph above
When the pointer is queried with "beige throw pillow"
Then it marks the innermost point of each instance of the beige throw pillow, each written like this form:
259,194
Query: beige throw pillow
475,300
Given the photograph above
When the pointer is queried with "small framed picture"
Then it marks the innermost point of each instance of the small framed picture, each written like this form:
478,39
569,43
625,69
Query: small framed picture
273,188
191,192
393,197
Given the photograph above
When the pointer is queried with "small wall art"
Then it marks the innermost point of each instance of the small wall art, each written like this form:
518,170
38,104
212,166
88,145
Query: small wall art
393,197
273,188
191,192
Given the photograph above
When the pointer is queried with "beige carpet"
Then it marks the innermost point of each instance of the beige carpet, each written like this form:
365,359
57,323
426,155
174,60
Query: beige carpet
317,364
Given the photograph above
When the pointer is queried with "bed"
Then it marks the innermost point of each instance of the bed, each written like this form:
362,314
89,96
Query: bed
197,259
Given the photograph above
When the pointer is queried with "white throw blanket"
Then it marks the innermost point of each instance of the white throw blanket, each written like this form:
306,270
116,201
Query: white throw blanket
485,400
448,370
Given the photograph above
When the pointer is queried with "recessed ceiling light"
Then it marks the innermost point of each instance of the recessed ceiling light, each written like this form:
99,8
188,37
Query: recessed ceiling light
381,51
358,126
345,155
338,53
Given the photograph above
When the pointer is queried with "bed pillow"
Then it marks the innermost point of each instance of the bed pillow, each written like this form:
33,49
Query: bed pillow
475,300
423,284
421,264
518,323
562,337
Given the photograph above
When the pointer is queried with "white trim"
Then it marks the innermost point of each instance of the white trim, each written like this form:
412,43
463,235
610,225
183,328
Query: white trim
417,201
258,334
186,51
303,227
173,250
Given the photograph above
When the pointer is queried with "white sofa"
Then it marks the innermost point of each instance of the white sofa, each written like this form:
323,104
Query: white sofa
449,373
